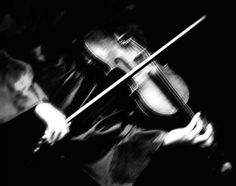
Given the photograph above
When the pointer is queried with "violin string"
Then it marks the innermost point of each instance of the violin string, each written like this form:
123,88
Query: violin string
173,92
134,71
167,84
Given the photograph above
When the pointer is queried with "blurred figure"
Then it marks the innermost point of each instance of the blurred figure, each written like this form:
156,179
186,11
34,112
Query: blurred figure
19,95
111,143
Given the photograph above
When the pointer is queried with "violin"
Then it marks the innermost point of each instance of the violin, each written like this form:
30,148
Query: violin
160,89
134,59
125,54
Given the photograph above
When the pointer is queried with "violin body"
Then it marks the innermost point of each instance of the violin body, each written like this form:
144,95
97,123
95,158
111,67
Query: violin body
114,52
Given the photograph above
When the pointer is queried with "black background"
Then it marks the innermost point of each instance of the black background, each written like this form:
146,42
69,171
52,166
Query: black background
203,57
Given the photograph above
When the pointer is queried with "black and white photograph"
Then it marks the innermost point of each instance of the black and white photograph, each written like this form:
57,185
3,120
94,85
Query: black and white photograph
116,93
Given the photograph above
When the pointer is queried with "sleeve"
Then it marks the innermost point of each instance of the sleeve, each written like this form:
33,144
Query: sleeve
108,145
127,153
13,104
126,160
33,97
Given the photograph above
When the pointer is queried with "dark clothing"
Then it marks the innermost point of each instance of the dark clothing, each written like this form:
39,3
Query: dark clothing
104,141
111,149
19,138
110,142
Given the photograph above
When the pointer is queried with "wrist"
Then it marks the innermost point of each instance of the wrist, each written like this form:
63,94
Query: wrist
48,112
170,138
166,140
